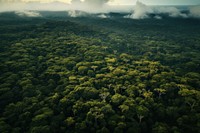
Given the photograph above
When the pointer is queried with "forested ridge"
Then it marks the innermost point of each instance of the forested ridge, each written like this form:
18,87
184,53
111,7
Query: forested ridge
71,76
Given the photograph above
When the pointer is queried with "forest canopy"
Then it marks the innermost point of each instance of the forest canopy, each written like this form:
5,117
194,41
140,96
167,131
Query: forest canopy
99,75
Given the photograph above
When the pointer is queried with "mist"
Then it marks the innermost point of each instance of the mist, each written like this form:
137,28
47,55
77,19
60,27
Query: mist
103,16
142,11
79,8
75,13
195,11
28,14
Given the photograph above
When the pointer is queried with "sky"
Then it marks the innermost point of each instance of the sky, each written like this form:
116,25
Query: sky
159,2
137,9
92,6
125,2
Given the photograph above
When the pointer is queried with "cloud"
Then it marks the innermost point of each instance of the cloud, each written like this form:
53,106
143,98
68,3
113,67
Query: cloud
170,11
195,11
141,11
26,1
11,6
103,16
9,1
27,14
97,3
75,13
92,6
157,17
53,6
37,6
76,1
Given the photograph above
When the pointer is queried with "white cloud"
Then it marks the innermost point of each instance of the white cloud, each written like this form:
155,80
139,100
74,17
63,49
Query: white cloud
171,11
27,14
141,11
158,17
74,13
103,16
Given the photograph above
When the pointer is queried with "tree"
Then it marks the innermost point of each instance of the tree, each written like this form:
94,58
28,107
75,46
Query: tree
117,99
104,95
191,97
70,121
82,69
142,112
160,128
40,129
42,117
160,92
4,128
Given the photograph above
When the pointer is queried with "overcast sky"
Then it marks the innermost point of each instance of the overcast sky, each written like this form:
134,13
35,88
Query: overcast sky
160,2
130,2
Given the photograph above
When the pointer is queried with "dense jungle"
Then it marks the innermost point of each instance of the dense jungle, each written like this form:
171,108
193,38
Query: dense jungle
61,74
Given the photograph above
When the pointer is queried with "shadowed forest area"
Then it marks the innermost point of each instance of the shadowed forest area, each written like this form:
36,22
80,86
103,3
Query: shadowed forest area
86,75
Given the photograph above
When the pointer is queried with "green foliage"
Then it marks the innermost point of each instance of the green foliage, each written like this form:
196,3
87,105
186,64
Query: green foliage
76,76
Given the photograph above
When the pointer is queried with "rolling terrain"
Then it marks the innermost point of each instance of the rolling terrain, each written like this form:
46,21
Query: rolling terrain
64,74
